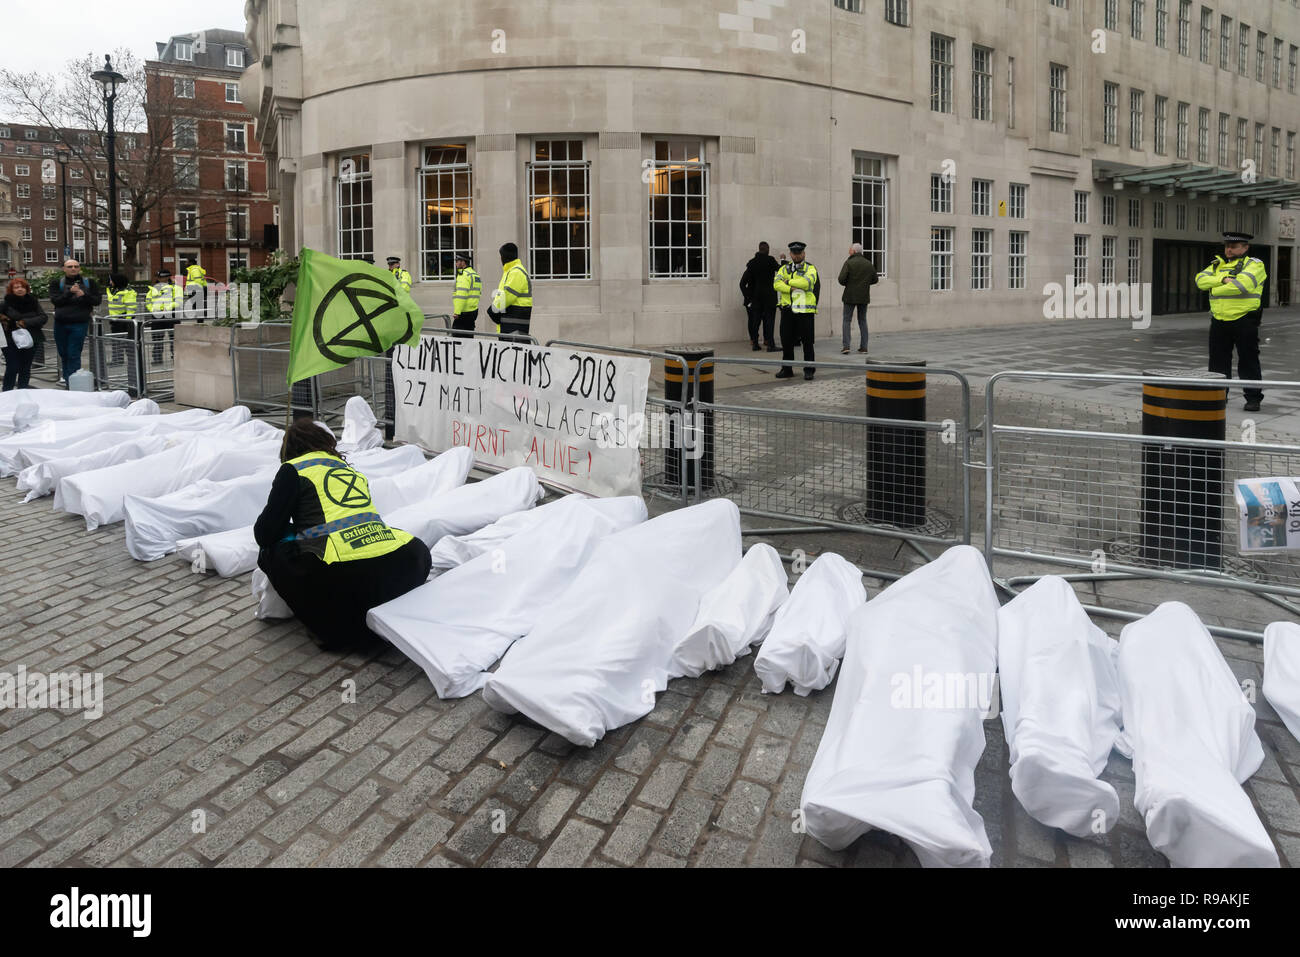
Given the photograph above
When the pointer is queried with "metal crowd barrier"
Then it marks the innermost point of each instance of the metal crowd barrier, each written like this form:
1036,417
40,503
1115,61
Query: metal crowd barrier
140,360
830,471
1092,499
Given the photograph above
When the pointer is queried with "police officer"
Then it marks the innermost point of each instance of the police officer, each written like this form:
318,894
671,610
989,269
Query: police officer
401,275
512,303
123,302
469,287
326,550
162,300
196,275
1235,282
798,288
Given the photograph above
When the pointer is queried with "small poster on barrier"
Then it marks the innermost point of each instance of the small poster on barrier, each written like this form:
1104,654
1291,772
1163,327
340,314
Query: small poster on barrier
1270,514
569,415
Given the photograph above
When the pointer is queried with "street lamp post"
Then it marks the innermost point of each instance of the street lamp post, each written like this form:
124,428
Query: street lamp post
63,156
108,79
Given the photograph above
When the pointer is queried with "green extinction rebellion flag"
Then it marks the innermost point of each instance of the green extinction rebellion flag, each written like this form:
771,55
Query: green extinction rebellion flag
345,309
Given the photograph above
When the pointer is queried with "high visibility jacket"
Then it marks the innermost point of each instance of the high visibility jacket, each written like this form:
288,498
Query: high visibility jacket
515,290
335,518
1231,300
403,278
196,275
162,298
797,286
122,304
469,286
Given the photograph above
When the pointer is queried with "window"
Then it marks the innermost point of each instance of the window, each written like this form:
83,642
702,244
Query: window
1137,9
1182,129
1202,218
1016,245
234,57
1107,260
940,258
78,234
52,255
679,205
1081,206
1161,123
1108,210
1261,54
1258,154
1225,43
183,87
186,172
1016,194
1203,136
24,191
940,73
871,209
26,234
1064,4
1110,15
236,138
47,150
51,235
1162,23
896,12
1223,158
184,50
51,213
940,193
1080,267
981,94
237,223
355,206
24,212
79,174
85,139
1135,213
1274,152
981,197
187,222
1221,219
185,133
1241,143
1134,259
1293,54
1158,214
49,192
22,170
27,255
1110,113
1207,32
236,261
1277,63
559,210
981,259
236,175
1243,47
1290,155
1056,79
1180,217
1184,25
1135,119
232,93
853,6
5,133
31,134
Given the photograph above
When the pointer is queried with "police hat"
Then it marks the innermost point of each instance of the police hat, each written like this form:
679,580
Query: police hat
1237,237
394,259
164,274
798,247
465,258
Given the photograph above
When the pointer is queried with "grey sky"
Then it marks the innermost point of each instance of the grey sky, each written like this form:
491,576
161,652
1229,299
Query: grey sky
95,26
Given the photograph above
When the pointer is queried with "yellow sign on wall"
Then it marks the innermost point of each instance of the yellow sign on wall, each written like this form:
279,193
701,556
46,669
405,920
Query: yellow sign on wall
1002,207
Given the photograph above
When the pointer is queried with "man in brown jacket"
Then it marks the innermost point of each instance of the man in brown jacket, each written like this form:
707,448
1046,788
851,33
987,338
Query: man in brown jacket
857,276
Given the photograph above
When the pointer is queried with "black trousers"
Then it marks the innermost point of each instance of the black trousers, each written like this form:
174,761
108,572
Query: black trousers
332,600
1243,334
762,315
18,367
798,328
464,322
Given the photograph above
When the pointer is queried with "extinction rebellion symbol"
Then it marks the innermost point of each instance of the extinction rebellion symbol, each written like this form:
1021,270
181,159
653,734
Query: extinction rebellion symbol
344,325
346,488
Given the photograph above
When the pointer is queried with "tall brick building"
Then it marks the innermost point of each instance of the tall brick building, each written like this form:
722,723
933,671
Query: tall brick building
222,212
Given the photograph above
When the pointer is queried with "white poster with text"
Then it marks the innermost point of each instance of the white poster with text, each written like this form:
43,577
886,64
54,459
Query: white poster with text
562,412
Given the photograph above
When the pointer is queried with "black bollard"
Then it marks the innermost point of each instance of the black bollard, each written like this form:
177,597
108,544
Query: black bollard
1182,486
896,454
701,452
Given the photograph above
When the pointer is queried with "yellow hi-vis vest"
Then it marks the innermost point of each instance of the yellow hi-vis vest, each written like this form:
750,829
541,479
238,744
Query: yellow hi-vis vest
122,304
1231,300
468,289
341,513
796,285
162,298
516,289
196,275
403,278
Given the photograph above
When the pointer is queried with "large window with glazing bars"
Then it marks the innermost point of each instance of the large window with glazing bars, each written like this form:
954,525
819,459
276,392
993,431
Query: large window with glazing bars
1016,258
679,211
356,209
941,62
559,210
446,209
981,89
871,210
1057,105
941,253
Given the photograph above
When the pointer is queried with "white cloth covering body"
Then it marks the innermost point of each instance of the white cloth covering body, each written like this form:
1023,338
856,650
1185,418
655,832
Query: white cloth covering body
1282,672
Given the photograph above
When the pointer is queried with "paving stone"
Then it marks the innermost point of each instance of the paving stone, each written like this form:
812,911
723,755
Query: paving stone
573,846
548,811
418,841
631,837
513,852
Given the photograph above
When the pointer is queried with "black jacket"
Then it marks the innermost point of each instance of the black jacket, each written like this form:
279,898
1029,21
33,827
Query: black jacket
28,309
72,309
756,284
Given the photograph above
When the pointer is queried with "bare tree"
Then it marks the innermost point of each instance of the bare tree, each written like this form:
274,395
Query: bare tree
154,172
